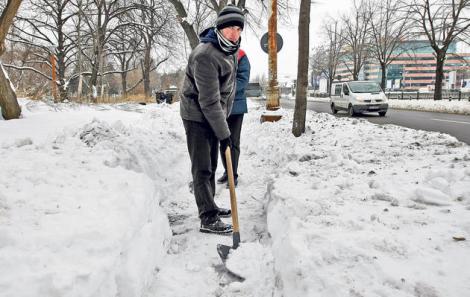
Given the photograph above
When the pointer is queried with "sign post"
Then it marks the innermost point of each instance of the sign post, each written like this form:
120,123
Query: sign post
272,102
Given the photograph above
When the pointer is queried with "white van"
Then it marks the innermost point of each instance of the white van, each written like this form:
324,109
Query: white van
357,97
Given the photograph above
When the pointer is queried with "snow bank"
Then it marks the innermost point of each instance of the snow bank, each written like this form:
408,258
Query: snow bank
79,209
356,209
453,106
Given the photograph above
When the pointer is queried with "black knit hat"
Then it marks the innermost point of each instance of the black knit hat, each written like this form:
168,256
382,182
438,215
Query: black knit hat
230,15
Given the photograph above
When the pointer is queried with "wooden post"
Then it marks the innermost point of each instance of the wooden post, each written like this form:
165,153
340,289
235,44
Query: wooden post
54,79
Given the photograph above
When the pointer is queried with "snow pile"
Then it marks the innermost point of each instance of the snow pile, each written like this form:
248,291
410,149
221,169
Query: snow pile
79,211
363,210
255,264
449,106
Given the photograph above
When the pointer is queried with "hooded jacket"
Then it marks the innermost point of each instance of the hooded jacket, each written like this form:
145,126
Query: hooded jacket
243,77
209,85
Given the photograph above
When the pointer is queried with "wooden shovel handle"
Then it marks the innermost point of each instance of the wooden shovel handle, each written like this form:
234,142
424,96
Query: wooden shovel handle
233,196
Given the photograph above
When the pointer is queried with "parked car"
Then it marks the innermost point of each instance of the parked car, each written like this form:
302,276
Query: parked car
357,97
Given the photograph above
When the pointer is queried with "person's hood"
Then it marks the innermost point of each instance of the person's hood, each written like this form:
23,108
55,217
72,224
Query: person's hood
209,36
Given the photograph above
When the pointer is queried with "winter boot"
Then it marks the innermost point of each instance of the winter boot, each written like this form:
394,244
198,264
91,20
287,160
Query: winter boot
235,182
216,227
223,179
224,212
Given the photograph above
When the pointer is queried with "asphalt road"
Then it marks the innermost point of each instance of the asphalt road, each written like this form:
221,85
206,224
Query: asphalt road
455,125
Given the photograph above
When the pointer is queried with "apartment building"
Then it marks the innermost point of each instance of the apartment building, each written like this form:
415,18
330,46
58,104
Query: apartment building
414,68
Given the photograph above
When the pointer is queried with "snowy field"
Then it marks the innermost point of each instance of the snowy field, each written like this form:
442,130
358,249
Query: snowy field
94,202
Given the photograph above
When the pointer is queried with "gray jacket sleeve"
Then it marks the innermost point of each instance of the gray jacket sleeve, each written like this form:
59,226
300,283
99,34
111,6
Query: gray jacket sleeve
207,82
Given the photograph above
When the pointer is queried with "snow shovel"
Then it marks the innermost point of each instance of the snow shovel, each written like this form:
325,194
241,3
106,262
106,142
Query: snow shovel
224,250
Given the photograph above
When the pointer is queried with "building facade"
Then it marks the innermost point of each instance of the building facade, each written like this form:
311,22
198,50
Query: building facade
414,68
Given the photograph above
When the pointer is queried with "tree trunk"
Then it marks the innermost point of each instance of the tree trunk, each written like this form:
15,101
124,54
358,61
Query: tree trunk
124,83
94,78
355,75
80,84
61,68
146,72
97,61
10,107
6,19
8,103
383,66
440,57
298,125
330,82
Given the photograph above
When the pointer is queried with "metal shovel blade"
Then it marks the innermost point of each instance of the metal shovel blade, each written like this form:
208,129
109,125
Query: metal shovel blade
223,251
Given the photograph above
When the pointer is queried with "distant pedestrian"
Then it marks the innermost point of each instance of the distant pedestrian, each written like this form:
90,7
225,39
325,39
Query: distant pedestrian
235,120
160,97
206,101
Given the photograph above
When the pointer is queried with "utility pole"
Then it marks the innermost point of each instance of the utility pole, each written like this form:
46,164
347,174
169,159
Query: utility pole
272,102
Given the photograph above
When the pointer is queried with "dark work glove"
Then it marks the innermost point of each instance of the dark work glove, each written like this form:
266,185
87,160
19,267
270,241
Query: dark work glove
224,143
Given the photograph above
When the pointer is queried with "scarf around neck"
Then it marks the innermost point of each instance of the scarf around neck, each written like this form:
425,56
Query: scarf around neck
226,45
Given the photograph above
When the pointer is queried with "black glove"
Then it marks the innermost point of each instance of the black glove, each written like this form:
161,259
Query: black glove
224,143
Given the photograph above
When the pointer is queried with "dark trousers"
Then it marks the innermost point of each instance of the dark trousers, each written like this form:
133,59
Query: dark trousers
203,151
235,122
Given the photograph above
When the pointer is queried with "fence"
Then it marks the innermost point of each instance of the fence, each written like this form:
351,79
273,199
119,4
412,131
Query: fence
446,95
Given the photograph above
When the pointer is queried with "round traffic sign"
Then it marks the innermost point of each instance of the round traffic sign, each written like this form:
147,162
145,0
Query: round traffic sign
264,42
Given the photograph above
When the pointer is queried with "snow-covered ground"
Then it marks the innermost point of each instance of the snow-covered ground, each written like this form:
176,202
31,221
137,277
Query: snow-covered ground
454,106
94,202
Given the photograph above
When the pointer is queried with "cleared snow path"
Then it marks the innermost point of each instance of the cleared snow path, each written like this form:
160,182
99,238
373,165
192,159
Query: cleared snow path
193,267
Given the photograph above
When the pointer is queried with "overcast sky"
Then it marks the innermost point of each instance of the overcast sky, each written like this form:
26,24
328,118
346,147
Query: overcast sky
287,57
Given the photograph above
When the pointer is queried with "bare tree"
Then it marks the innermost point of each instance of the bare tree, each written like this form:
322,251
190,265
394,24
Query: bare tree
102,20
325,58
318,61
442,22
298,124
157,29
44,26
125,47
77,36
389,27
355,33
8,102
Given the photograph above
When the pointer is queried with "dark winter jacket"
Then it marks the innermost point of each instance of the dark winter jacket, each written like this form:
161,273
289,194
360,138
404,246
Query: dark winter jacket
243,77
209,85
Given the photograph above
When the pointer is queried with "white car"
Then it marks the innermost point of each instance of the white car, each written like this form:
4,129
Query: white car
357,97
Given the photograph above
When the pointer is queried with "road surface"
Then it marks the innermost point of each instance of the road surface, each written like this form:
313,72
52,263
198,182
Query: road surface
453,124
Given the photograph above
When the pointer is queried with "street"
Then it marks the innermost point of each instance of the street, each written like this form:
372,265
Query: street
455,125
